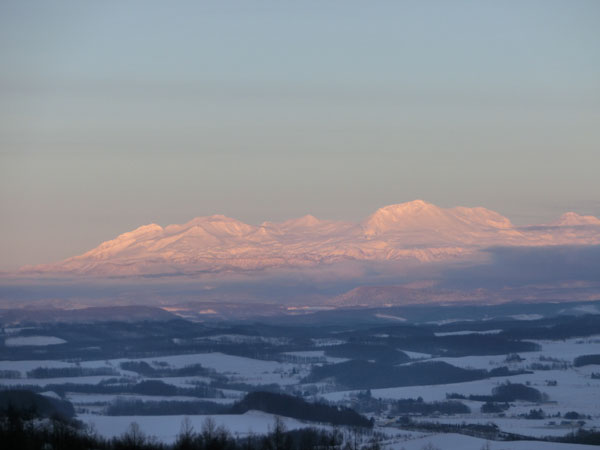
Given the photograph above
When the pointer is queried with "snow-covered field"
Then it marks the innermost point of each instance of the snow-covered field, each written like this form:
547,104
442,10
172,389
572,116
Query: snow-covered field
467,332
166,428
46,381
451,441
33,340
568,388
574,390
316,355
247,370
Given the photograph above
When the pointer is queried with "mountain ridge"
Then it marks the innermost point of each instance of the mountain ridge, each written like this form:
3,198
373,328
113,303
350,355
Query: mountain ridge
415,231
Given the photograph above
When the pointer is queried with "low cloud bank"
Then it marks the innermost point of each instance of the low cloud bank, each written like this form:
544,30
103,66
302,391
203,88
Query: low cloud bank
519,266
569,269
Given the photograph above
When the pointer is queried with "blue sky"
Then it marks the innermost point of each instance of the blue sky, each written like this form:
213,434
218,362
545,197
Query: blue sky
115,114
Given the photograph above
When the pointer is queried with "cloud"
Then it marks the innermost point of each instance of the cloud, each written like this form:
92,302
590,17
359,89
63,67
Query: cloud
567,268
520,266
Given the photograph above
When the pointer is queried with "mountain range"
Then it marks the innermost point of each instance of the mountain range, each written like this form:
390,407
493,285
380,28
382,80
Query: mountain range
416,231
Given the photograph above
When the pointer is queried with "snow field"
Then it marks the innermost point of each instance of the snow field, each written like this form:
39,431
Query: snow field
166,428
33,340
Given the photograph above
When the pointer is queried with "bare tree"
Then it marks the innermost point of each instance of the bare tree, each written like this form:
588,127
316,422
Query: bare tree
187,435
134,437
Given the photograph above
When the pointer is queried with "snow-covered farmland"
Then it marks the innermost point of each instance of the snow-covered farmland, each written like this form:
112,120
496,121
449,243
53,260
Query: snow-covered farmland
247,370
33,341
451,441
208,370
467,332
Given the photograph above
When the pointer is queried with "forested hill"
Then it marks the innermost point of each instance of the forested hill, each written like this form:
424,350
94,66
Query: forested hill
289,406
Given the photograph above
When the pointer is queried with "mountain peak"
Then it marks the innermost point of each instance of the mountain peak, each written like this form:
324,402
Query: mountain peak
419,215
307,220
415,214
413,206
141,231
219,225
211,219
571,219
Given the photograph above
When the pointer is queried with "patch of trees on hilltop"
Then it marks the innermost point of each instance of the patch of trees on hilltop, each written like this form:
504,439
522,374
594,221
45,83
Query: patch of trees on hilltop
506,392
66,372
510,392
562,327
586,360
289,406
269,402
464,345
27,403
370,375
125,386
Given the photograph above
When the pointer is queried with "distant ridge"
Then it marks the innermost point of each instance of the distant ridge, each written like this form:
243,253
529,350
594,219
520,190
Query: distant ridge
415,231
86,315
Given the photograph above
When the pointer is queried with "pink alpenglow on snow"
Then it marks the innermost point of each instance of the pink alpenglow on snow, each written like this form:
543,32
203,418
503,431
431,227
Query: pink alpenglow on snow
416,232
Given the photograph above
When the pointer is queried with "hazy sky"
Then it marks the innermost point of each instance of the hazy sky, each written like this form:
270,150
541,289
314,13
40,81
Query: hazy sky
115,114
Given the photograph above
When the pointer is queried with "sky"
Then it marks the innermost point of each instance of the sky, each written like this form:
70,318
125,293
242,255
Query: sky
116,114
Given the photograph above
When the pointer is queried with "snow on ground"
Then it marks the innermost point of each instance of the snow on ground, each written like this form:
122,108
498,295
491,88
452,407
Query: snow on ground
184,382
26,366
450,441
526,316
237,368
243,339
415,355
428,393
166,428
21,341
15,330
317,355
447,321
474,362
46,381
390,317
307,354
516,425
51,394
567,349
326,342
587,309
251,371
573,392
465,332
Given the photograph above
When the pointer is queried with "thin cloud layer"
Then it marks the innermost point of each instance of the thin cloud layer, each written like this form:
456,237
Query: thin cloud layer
520,266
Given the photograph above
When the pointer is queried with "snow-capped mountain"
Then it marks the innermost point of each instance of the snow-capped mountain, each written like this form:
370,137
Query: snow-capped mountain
572,219
414,231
